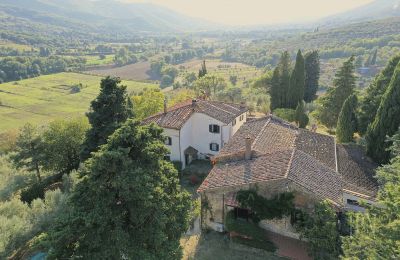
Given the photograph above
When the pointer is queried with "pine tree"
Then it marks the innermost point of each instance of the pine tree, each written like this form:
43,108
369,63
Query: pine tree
297,82
312,68
109,111
301,116
347,122
386,122
203,70
344,85
128,205
373,95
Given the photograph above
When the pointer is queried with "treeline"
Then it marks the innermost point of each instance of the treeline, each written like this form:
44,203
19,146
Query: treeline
17,68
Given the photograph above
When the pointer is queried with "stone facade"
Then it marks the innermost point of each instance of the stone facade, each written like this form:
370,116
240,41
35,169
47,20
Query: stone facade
213,217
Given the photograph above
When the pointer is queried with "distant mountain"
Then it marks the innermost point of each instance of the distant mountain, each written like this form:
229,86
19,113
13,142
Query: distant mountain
101,15
378,9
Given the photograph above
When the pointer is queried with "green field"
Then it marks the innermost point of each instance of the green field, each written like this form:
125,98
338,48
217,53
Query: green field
94,60
42,99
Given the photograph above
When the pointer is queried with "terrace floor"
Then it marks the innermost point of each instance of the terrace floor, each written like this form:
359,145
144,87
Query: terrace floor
289,247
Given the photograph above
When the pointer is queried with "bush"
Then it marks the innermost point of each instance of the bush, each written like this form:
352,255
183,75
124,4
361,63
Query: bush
38,189
194,180
286,114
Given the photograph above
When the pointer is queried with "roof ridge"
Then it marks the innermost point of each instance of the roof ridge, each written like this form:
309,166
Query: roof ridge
259,133
219,108
226,103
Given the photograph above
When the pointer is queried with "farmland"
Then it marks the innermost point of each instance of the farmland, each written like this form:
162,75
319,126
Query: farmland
45,98
137,71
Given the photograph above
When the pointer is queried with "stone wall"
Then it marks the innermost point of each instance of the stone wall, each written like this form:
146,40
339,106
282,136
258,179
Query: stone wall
216,199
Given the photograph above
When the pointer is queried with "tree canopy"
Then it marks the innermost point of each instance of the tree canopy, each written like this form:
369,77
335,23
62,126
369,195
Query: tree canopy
343,86
347,122
128,204
297,82
386,122
312,69
108,111
149,103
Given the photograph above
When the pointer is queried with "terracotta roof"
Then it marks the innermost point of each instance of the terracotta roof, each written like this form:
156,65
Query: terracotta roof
357,170
316,177
177,115
311,160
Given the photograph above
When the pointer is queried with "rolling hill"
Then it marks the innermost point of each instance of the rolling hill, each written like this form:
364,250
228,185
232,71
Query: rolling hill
378,9
101,16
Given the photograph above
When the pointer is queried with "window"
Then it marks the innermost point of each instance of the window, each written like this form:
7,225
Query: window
234,122
353,202
214,147
241,118
168,141
167,158
214,129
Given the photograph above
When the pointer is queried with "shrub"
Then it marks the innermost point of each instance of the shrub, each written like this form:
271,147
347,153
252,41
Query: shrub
194,180
286,114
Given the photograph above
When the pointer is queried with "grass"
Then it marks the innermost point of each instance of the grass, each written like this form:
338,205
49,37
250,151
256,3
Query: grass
213,245
16,46
250,234
45,98
94,60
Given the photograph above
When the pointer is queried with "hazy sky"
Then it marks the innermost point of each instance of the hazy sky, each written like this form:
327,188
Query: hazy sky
247,12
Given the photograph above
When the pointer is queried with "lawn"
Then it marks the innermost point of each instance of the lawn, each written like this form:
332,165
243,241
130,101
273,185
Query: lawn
94,60
213,245
45,98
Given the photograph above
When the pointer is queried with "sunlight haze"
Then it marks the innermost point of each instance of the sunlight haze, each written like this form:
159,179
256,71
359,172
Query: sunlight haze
251,12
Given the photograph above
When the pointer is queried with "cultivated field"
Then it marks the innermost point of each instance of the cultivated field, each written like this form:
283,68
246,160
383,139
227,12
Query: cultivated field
42,99
223,69
137,71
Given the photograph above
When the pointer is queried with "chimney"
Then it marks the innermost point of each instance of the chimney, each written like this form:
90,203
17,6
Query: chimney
242,104
247,153
165,105
194,101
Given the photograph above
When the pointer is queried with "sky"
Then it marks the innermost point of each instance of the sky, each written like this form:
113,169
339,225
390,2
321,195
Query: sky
252,12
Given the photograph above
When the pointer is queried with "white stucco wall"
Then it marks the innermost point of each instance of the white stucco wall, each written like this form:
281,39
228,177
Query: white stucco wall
195,133
174,148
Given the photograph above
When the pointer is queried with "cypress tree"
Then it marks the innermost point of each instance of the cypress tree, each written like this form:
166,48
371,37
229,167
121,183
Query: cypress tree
312,68
386,123
374,56
347,122
284,82
203,70
301,116
297,82
275,90
108,111
373,95
344,85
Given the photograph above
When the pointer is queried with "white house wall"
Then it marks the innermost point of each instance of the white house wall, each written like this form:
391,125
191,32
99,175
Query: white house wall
201,137
195,133
174,148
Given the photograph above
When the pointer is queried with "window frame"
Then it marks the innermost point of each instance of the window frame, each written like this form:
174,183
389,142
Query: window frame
168,141
214,129
216,147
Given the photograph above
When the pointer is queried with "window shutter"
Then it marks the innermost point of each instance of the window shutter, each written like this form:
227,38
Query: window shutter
217,128
217,147
210,128
211,147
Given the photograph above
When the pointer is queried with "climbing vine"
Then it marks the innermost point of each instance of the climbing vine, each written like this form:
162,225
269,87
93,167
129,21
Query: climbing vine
277,207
